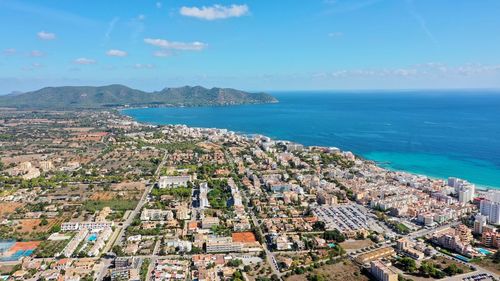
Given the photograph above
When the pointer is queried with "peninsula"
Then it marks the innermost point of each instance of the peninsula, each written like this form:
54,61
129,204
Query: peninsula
118,96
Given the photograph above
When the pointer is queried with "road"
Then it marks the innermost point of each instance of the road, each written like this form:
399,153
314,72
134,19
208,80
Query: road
140,204
153,259
118,239
271,260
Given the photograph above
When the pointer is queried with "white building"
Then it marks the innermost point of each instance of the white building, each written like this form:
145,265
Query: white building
381,272
89,225
223,245
491,210
479,222
156,215
463,189
173,181
203,197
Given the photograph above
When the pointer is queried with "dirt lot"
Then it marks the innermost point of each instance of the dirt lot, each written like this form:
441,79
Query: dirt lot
444,262
33,225
9,208
136,186
490,265
340,271
104,195
356,244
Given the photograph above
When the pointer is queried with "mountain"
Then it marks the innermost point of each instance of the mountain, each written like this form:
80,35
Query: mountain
88,97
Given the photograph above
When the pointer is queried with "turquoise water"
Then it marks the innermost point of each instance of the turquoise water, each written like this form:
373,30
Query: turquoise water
92,237
483,251
439,134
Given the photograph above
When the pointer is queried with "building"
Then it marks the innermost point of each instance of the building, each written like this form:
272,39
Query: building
74,242
156,215
207,223
203,196
479,222
457,240
182,213
90,225
324,198
407,248
173,181
46,165
382,272
491,239
463,189
223,245
490,207
464,233
375,255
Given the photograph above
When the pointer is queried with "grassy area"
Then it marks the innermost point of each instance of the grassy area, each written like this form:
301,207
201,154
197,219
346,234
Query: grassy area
182,146
219,194
178,192
342,271
48,249
438,267
115,205
489,264
144,269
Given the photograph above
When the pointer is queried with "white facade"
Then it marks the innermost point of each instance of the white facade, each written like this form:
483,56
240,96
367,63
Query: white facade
479,222
90,225
491,210
173,181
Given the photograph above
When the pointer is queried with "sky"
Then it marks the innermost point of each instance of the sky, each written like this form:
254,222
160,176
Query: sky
258,45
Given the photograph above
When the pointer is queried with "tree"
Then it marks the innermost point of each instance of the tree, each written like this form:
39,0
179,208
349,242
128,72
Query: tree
235,263
408,264
316,277
496,257
319,225
334,235
453,269
237,275
247,268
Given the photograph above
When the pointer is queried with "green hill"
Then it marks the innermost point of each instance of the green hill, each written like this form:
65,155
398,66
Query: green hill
87,97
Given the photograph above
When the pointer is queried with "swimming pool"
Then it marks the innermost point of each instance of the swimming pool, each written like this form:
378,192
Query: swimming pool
462,258
92,237
483,251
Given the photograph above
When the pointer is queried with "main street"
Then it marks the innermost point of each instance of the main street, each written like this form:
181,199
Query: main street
119,238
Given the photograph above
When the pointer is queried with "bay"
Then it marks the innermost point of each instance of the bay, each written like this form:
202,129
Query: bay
435,133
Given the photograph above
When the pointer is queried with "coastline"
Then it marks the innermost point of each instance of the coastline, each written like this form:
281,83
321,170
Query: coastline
479,187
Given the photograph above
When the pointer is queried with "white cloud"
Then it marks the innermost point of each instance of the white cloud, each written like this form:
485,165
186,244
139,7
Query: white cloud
116,53
335,34
143,66
36,53
183,46
46,35
111,27
162,53
417,71
141,17
84,61
215,12
32,67
9,51
159,5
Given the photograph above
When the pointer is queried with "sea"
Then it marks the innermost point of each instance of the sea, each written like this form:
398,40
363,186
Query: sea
439,134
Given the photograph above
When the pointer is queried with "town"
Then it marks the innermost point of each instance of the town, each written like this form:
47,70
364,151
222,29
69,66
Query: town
94,195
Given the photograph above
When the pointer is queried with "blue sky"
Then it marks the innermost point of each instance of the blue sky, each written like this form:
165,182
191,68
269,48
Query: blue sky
252,45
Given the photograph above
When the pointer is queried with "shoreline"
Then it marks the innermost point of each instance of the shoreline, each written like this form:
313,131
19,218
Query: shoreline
479,187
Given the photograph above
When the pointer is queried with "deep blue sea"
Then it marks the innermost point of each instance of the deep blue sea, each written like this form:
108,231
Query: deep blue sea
435,133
